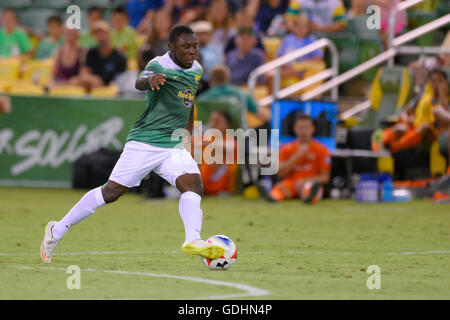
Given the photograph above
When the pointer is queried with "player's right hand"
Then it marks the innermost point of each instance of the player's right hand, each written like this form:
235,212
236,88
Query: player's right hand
156,80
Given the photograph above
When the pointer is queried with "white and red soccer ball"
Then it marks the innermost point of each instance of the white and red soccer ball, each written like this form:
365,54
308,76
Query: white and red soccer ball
228,258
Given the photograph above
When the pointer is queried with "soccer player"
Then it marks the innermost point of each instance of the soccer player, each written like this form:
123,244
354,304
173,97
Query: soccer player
170,82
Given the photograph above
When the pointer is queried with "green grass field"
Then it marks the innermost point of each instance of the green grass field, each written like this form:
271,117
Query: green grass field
131,249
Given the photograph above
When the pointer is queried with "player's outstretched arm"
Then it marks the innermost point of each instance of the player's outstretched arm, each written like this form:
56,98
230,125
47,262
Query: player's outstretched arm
150,81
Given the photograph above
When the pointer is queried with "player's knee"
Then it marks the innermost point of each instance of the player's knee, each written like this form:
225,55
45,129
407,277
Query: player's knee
112,192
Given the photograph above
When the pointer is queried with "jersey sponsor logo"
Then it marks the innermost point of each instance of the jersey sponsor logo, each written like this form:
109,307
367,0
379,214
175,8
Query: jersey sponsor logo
187,96
197,77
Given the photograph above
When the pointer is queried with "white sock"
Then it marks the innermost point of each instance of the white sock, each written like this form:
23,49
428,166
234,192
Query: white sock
191,214
83,209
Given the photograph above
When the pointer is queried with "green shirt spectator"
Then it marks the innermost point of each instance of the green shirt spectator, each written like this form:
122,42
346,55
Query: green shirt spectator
123,36
87,40
47,46
229,90
126,40
14,43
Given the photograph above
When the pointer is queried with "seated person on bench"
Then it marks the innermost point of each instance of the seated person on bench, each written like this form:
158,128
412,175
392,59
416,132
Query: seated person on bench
303,162
416,124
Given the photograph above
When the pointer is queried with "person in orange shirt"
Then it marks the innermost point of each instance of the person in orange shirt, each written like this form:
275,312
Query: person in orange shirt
303,162
219,178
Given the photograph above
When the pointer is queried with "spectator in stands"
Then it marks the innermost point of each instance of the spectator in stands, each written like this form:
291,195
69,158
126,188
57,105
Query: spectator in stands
243,20
305,66
422,67
358,8
68,59
219,178
141,12
210,54
220,86
123,36
245,58
264,11
301,161
49,45
103,63
159,34
185,11
417,123
87,39
14,41
219,16
325,15
401,22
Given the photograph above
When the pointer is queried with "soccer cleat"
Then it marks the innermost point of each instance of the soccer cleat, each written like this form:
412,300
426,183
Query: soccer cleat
49,243
203,248
265,194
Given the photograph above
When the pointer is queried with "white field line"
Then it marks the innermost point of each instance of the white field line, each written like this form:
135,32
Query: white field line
252,252
249,290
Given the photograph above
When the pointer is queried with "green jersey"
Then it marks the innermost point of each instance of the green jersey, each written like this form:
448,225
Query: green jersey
169,108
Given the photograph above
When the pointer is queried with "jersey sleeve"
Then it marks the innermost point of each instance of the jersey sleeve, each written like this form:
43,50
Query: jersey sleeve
151,67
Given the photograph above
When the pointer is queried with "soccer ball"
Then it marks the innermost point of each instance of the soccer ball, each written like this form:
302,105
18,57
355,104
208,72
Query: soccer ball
228,258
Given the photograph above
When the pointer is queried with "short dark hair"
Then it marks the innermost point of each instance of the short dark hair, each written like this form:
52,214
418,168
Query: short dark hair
440,71
303,116
120,10
93,9
56,19
179,30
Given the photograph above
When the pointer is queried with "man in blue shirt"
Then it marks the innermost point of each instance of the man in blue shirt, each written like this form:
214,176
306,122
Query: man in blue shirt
245,58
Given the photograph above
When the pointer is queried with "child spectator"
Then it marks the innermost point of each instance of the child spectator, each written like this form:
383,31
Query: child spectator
49,45
103,63
69,58
123,37
87,39
302,161
358,8
245,58
14,41
325,15
305,66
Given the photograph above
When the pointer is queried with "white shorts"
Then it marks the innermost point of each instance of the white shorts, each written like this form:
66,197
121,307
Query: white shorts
139,159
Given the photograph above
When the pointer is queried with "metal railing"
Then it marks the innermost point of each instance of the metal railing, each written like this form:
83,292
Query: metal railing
276,65
382,57
393,19
404,50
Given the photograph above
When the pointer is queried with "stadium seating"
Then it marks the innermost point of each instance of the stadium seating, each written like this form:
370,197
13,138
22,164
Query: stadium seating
25,88
66,91
105,92
38,71
391,89
9,73
271,45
